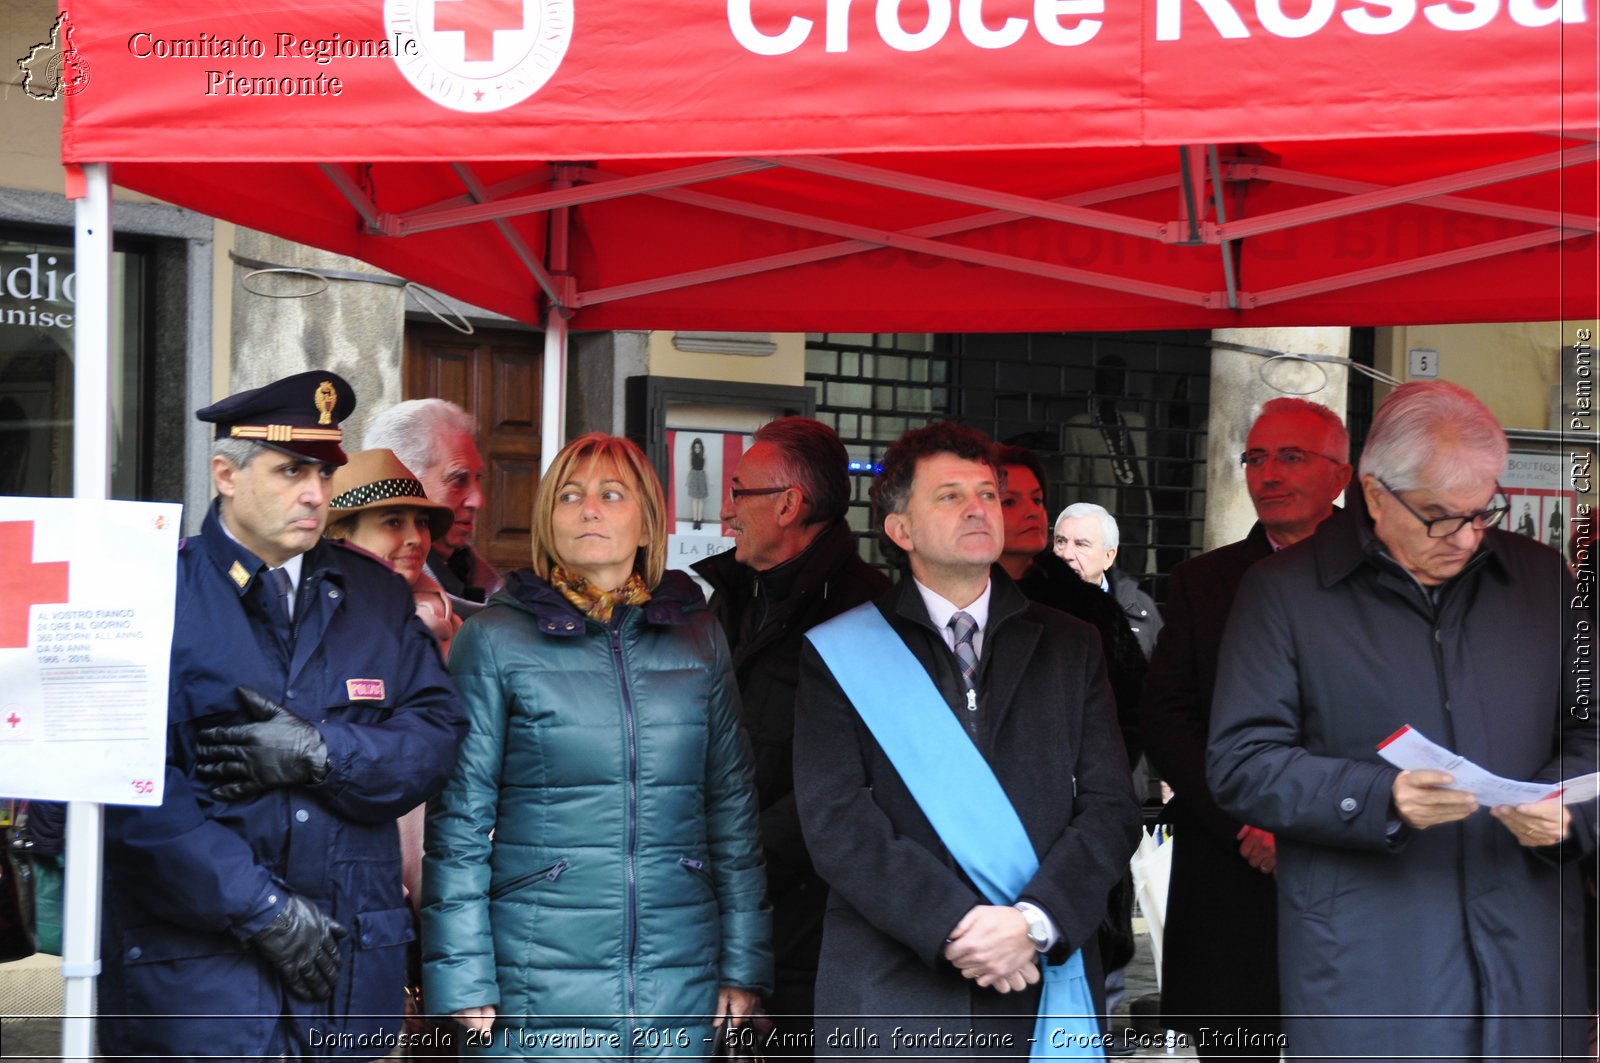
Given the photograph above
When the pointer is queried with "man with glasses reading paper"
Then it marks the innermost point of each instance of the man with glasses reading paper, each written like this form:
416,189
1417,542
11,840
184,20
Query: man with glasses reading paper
1411,922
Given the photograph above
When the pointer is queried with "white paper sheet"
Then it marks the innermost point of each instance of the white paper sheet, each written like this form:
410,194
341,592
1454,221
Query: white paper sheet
1409,750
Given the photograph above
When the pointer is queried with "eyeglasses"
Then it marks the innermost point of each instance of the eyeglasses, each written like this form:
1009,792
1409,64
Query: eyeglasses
1444,527
737,493
1289,456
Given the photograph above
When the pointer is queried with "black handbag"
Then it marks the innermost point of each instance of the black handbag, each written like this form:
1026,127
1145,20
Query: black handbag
742,1044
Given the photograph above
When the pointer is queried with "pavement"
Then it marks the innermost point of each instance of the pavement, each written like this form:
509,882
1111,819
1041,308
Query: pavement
31,1005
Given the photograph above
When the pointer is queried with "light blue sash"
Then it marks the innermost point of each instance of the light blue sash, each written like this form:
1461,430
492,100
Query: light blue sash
957,791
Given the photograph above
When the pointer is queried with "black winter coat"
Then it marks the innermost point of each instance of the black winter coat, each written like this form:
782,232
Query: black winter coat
1220,955
1451,942
765,633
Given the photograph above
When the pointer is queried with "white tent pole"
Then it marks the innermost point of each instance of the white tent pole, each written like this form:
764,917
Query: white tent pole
552,422
553,416
91,479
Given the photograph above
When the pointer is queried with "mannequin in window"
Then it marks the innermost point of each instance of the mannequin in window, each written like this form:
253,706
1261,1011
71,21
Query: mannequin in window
1106,461
695,485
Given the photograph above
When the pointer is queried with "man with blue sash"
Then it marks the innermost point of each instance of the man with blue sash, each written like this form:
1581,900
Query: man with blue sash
962,787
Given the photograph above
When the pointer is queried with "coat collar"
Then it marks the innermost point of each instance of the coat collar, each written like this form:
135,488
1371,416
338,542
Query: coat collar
1347,541
670,603
1009,639
806,573
240,568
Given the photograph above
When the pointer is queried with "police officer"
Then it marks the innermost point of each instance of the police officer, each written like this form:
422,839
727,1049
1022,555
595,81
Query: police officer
258,911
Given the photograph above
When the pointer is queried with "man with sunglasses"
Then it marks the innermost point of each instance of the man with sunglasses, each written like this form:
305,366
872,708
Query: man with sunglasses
794,564
1412,922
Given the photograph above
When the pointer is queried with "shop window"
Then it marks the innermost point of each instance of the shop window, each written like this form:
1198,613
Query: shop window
38,308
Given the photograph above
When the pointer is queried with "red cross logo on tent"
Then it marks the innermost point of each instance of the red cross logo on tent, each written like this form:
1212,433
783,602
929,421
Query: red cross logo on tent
24,583
478,20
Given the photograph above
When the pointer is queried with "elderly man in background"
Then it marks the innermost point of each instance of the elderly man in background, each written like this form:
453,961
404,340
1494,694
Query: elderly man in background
1086,539
435,440
794,564
1411,922
1220,956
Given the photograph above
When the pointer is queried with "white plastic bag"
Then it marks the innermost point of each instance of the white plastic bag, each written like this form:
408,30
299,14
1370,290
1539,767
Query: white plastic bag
1152,867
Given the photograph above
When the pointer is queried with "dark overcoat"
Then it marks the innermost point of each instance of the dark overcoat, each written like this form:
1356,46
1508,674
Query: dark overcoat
1046,726
765,631
1220,954
189,882
1450,942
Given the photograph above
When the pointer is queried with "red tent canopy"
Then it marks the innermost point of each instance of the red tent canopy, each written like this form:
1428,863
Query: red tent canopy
884,165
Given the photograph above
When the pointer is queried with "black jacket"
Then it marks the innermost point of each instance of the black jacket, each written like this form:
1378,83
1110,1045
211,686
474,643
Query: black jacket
765,616
1051,581
1220,955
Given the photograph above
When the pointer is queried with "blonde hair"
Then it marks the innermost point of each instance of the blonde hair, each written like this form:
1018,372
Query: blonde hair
651,560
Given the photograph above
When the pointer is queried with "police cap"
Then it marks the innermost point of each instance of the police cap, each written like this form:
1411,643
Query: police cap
298,415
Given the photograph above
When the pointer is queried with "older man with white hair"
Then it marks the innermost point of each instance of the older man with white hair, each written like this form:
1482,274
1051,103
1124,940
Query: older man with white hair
435,439
1087,539
1412,923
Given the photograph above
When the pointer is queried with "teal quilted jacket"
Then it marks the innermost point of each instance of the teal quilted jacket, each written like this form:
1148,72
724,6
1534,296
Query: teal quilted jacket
592,867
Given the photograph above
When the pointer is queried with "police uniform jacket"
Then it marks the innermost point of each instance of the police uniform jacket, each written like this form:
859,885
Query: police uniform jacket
188,883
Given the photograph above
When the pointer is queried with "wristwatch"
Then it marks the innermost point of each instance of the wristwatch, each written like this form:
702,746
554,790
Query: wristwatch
1038,926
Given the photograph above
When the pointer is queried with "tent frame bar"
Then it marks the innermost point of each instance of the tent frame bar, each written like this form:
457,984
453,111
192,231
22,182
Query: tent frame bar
1198,165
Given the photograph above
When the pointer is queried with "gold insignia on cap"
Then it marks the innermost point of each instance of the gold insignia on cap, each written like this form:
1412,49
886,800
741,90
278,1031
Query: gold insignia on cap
325,400
238,574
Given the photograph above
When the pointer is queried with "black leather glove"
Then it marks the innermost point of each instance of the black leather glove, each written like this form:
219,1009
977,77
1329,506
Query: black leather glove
280,749
303,944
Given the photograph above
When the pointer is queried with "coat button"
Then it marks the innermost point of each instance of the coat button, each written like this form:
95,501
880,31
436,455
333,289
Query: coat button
332,593
1347,805
135,952
301,815
272,898
570,625
288,693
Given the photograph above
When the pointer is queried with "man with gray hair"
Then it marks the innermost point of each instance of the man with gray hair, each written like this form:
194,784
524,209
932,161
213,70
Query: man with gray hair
1220,954
1412,923
434,438
1087,539
794,564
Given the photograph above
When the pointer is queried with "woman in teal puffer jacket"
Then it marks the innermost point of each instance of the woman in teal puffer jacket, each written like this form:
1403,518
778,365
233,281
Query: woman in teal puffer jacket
592,882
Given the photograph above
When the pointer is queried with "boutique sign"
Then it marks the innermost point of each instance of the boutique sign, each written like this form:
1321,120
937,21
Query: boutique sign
38,288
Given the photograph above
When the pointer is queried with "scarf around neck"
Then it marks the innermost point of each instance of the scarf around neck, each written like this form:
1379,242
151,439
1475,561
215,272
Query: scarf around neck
593,602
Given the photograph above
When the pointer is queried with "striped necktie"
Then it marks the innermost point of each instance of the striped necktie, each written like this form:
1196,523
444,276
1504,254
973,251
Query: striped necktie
966,654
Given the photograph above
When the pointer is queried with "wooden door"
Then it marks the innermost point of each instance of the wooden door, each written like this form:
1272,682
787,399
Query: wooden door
495,375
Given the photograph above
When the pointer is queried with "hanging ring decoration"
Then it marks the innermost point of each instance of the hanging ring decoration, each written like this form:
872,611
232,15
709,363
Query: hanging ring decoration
1263,374
425,298
429,300
1269,356
292,271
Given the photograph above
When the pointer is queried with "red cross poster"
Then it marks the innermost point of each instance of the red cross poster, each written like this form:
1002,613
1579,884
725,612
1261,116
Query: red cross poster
86,601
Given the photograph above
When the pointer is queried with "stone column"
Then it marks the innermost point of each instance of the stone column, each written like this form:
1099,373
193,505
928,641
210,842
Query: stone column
1240,385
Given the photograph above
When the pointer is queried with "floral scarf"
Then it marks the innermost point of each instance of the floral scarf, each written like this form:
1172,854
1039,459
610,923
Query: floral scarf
593,602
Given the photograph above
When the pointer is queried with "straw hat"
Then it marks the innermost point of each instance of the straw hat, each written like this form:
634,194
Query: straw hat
374,478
